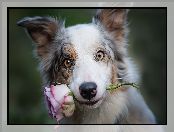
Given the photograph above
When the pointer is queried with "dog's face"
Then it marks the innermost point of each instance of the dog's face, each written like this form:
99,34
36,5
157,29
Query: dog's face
92,71
86,57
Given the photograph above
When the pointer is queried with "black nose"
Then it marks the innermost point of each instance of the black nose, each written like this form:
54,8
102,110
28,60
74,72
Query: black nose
88,90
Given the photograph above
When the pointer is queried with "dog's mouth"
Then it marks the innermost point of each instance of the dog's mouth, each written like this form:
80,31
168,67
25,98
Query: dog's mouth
89,103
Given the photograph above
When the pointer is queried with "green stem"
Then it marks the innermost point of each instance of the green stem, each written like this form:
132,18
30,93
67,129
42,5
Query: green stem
70,94
118,85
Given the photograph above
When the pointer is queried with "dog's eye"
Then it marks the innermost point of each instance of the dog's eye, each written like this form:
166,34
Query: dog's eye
67,63
100,55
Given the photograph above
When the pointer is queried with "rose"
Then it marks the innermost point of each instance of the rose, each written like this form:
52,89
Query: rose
60,101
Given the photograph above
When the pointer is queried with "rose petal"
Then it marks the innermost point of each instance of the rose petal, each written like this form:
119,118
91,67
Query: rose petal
59,91
56,97
68,99
59,116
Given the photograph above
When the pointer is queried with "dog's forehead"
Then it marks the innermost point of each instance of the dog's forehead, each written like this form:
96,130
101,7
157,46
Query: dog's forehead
84,37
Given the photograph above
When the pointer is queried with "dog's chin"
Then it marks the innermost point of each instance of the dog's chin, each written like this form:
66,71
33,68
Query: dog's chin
90,104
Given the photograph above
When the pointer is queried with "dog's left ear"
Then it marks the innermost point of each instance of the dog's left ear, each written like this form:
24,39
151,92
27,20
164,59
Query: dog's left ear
42,31
113,20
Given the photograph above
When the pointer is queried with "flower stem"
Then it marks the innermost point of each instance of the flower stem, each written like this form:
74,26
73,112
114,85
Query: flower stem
70,93
118,85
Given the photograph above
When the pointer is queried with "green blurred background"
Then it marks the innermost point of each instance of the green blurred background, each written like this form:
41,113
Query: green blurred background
147,45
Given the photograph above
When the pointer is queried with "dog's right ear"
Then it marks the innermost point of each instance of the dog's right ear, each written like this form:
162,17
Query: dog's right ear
42,30
113,20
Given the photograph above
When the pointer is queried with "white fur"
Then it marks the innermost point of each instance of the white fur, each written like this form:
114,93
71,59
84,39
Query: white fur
85,39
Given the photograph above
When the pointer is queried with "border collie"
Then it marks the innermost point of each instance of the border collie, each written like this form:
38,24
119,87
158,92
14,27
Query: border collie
89,57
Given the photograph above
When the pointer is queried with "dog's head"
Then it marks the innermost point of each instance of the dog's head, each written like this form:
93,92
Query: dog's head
86,57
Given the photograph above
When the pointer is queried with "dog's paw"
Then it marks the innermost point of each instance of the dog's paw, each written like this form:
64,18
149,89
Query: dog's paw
60,102
68,106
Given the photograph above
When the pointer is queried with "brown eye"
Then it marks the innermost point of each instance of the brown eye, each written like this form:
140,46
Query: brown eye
100,55
68,63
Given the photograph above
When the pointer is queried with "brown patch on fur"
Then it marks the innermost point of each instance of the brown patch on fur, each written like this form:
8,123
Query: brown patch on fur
63,76
42,30
114,75
114,21
104,53
119,35
43,33
43,37
68,49
41,50
61,73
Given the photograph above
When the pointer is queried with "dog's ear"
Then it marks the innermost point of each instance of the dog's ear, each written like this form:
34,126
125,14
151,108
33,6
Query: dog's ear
42,30
113,20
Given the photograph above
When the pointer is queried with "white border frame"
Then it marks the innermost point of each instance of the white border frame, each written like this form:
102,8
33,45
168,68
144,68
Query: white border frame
50,128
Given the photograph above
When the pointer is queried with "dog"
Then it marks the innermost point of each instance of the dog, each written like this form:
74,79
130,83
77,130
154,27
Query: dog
89,57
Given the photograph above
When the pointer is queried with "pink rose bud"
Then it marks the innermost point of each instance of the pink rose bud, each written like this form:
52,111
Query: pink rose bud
59,100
